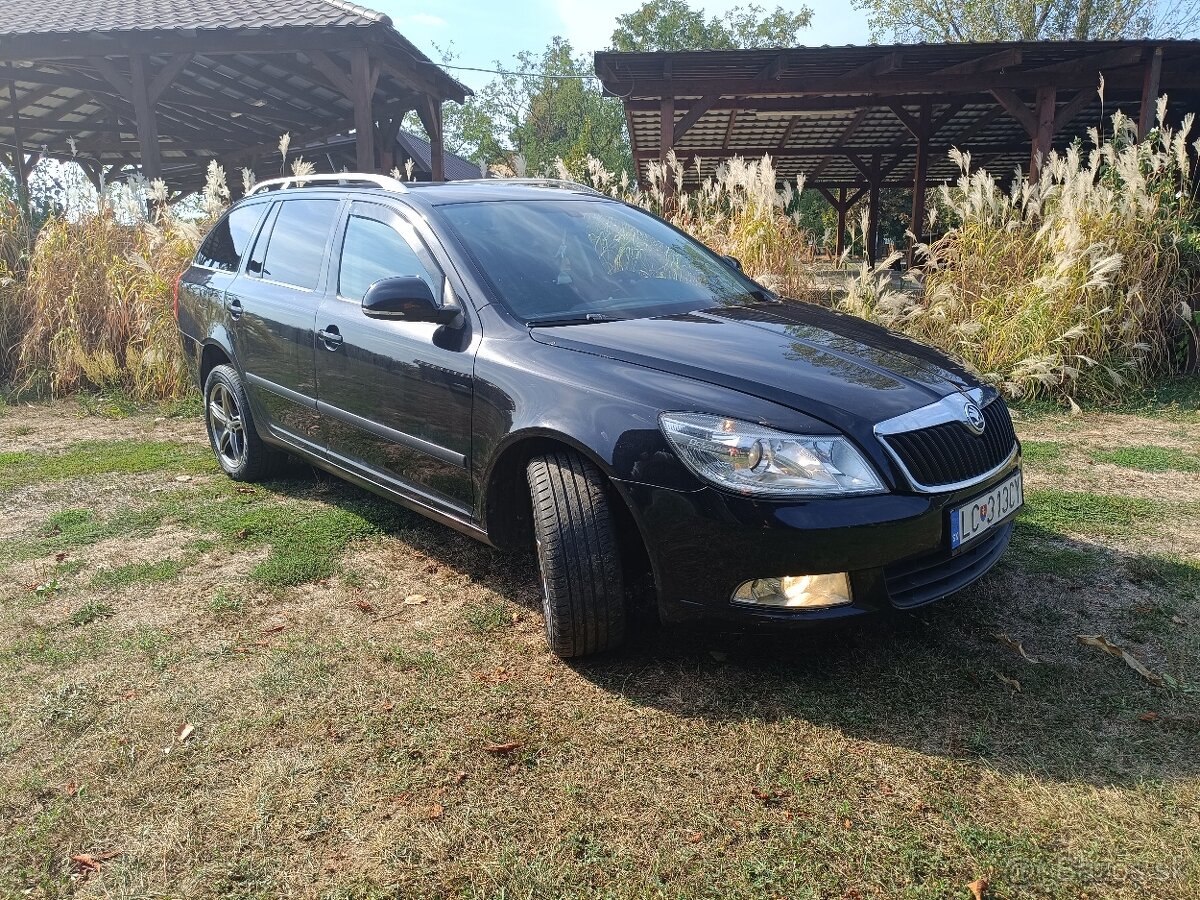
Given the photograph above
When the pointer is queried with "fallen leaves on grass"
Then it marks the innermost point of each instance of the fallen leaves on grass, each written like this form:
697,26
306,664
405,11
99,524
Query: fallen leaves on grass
185,732
365,607
501,749
1011,682
1016,647
415,599
1148,717
771,796
1098,640
71,789
435,811
274,629
90,862
977,888
694,837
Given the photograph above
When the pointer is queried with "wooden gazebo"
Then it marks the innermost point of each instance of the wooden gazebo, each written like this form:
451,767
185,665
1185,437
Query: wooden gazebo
166,86
858,120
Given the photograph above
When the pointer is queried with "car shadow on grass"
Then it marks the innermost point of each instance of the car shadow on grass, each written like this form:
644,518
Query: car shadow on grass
949,679
944,680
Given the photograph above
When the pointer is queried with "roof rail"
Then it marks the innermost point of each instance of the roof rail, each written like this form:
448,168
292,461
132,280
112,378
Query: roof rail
564,183
387,182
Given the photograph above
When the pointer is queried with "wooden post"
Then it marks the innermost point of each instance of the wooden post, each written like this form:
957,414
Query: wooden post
666,141
360,81
841,206
871,238
19,154
1147,119
147,122
1043,139
917,223
430,112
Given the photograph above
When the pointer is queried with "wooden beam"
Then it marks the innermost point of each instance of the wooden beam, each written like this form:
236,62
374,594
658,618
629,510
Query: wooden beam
787,133
889,62
733,114
167,75
871,238
1016,108
693,115
323,63
1043,139
907,119
917,220
1002,59
362,92
113,76
1149,109
1064,116
842,207
147,122
19,170
1095,63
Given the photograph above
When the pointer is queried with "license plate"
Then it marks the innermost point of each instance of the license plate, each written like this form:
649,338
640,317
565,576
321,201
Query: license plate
969,521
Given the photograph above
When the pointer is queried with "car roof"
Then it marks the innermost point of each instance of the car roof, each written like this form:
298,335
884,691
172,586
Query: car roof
440,193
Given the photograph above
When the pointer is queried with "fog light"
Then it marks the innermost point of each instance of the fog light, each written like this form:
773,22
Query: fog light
796,591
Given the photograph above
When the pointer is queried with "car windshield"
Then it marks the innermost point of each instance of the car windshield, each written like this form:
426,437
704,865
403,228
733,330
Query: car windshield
567,261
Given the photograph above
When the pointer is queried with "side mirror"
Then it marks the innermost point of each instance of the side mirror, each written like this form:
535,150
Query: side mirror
405,299
734,262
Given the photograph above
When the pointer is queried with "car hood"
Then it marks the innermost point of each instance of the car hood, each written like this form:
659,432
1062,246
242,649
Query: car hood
836,367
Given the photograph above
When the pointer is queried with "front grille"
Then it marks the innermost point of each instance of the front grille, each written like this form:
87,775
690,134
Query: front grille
950,453
928,578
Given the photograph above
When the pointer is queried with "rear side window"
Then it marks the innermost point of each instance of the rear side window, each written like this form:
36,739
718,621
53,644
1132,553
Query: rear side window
373,250
296,247
229,239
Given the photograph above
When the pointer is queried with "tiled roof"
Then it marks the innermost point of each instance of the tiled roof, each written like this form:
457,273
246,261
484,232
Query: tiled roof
73,16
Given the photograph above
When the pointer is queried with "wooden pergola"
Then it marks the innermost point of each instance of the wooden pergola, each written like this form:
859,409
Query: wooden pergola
166,87
858,120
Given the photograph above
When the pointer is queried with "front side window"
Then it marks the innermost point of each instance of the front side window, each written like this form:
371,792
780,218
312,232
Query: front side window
570,259
296,246
373,250
227,242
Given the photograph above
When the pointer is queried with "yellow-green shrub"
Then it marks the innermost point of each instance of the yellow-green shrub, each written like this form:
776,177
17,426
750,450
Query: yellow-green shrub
1075,287
98,301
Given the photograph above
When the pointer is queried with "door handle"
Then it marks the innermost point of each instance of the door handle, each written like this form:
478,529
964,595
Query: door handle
235,308
331,337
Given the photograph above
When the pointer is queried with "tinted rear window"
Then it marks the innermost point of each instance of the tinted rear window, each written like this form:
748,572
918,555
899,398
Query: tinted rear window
229,239
297,243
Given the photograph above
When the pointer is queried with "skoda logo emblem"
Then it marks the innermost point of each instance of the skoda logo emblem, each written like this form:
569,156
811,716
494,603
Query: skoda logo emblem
973,418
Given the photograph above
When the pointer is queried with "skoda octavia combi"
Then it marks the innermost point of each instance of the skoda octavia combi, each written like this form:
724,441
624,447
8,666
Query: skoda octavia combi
540,366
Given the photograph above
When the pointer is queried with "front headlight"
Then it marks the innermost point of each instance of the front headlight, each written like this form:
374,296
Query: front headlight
754,459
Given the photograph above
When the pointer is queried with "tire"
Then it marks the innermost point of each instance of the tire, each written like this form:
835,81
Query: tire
232,434
582,584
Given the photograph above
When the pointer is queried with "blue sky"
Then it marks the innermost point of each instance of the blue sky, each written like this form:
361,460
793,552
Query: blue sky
483,32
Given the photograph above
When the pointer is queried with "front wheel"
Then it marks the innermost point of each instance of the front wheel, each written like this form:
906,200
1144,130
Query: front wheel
238,448
582,585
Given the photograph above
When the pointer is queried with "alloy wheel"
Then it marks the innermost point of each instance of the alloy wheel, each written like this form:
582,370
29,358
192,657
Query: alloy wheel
226,427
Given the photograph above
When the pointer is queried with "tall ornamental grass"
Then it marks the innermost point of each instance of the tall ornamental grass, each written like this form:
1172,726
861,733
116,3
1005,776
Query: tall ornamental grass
1078,287
97,298
14,318
741,211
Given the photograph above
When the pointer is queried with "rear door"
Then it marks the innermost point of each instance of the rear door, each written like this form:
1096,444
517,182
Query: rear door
214,270
395,396
273,305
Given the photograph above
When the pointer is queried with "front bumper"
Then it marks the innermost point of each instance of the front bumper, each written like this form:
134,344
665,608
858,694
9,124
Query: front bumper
703,544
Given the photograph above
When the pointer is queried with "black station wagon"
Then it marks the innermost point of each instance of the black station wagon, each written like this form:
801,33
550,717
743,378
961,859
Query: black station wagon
540,366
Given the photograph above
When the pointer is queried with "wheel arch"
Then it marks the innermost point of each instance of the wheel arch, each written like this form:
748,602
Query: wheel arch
506,507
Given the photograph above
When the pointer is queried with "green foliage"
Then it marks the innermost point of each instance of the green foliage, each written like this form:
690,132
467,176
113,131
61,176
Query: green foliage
134,573
88,613
1027,20
674,25
98,458
551,109
1149,459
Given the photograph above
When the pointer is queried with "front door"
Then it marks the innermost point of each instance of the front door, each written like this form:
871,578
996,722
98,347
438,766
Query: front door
273,305
395,397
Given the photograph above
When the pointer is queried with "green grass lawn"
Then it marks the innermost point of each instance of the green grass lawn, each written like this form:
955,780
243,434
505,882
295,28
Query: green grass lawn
297,689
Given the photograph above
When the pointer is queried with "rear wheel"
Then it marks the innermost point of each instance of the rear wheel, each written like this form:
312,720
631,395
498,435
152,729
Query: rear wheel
582,585
235,441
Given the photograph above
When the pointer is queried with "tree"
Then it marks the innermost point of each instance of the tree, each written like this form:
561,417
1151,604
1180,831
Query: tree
1028,20
547,107
673,25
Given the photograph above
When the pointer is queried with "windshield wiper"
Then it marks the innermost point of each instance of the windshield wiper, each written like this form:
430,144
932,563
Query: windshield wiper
570,320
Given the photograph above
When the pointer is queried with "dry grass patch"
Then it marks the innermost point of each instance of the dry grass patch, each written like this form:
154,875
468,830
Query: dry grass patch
393,726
